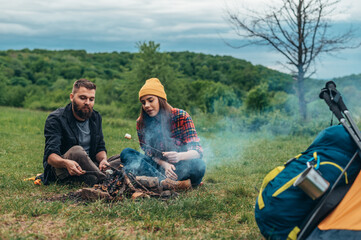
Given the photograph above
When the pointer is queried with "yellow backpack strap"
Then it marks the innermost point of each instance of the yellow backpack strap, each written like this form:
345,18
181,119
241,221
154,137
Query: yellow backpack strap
269,177
337,166
285,186
293,234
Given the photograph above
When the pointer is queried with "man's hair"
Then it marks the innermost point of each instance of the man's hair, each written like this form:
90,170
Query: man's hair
83,83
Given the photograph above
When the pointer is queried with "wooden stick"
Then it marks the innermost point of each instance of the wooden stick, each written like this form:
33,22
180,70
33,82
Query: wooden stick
145,144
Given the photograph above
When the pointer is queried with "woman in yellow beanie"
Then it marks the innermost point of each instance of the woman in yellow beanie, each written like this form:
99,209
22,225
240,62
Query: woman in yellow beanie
169,140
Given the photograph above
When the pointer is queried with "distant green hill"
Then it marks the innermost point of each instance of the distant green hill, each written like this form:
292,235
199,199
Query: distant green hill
351,80
42,79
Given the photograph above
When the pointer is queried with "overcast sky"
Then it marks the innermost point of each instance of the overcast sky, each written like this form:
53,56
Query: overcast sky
178,25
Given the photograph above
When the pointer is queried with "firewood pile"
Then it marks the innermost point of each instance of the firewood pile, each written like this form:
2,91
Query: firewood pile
119,185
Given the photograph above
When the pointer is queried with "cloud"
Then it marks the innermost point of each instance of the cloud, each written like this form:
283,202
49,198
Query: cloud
348,10
109,25
117,19
13,28
122,18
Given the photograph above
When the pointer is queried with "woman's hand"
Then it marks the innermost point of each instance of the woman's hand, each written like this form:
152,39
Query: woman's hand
169,170
172,157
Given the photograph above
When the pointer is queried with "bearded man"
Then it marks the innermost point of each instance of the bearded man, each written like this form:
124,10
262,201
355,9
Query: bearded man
74,142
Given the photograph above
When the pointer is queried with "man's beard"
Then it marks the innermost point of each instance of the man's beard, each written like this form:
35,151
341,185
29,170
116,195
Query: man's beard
81,112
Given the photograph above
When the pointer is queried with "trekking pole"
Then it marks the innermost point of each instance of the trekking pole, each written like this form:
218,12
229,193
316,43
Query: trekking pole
324,94
352,130
337,98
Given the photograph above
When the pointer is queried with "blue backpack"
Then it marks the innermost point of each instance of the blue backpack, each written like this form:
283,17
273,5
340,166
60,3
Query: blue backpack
281,207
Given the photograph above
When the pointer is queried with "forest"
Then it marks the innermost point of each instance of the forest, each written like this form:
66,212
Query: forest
204,85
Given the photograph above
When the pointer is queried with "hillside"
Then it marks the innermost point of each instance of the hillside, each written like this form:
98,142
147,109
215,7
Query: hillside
41,79
199,83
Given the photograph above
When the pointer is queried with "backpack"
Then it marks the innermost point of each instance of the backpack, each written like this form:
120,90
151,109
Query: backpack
281,207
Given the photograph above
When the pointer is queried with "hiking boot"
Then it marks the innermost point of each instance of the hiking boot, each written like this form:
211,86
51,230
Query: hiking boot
169,184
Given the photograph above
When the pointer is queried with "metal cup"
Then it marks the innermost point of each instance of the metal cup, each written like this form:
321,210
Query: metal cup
312,183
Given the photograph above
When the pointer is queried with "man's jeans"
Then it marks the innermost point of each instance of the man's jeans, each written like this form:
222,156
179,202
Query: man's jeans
78,154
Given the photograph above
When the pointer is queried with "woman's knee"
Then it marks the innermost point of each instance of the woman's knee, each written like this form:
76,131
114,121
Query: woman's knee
127,153
199,167
191,169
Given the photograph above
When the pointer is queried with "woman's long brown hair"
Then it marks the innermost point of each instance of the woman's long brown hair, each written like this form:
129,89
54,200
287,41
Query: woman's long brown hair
165,109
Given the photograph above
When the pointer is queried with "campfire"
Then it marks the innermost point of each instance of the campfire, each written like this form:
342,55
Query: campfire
119,185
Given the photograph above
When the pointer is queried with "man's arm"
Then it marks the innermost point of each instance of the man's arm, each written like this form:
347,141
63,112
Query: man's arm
101,157
101,152
53,136
58,162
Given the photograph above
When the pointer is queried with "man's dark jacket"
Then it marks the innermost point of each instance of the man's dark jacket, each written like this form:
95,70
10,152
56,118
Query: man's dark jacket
61,133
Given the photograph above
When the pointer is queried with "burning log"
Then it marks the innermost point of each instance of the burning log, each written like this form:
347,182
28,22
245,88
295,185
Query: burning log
90,193
120,184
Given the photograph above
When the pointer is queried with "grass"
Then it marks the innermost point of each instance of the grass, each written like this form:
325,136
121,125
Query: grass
221,209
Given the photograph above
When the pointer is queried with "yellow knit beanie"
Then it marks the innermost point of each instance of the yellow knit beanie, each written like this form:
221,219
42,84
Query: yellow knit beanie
153,87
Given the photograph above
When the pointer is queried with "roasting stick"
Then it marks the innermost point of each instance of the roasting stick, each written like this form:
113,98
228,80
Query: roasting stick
112,168
129,137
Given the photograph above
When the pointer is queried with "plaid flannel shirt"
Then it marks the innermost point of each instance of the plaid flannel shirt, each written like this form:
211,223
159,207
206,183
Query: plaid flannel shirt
183,134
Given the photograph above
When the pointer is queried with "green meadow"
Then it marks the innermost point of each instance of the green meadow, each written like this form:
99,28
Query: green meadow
223,208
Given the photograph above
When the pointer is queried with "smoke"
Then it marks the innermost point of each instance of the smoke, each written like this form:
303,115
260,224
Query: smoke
157,137
225,138
223,146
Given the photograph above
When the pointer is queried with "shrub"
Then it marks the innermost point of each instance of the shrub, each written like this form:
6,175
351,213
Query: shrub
257,98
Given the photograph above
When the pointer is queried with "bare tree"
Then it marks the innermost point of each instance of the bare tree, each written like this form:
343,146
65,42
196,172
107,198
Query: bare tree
299,30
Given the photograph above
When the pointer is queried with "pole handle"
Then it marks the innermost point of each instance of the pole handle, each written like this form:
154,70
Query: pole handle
333,106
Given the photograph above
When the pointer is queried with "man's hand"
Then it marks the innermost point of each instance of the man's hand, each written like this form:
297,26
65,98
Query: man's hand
103,165
102,160
73,168
172,157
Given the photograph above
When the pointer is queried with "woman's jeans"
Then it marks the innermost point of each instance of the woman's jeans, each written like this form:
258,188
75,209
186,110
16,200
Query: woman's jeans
142,165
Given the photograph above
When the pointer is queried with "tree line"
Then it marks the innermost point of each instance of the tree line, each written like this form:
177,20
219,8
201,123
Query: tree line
42,79
199,83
